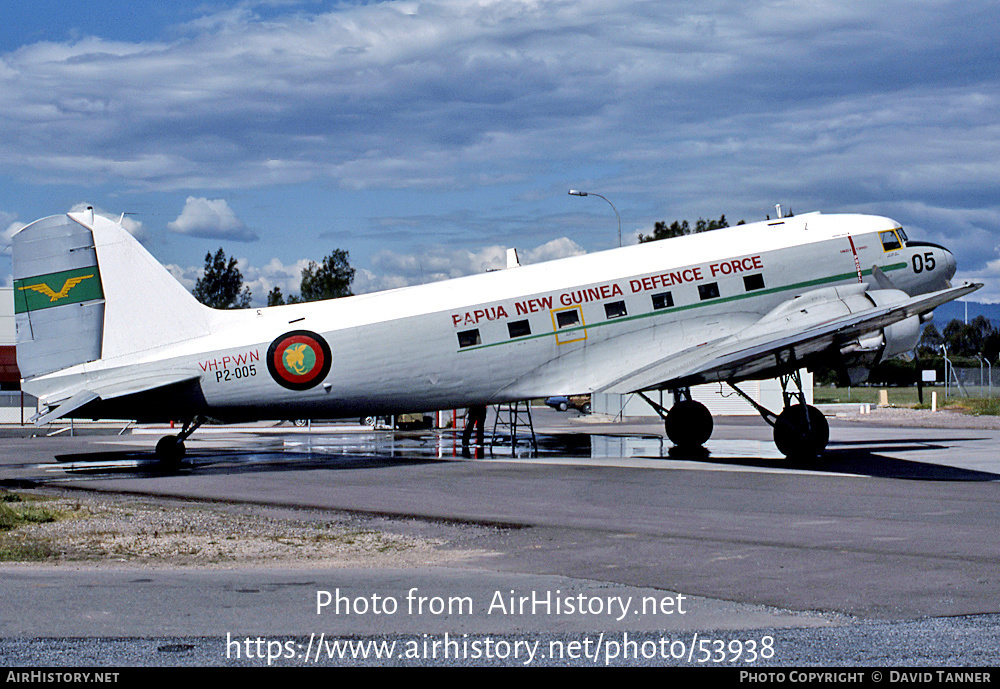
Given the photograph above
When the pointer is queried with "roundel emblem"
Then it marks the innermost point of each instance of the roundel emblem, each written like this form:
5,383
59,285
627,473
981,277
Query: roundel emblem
299,360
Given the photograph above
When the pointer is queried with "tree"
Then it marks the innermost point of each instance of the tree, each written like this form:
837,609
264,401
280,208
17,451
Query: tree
330,279
275,297
968,340
221,284
678,229
930,341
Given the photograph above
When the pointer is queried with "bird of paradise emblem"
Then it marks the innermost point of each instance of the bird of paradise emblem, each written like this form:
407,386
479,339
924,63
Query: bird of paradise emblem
299,360
57,289
42,288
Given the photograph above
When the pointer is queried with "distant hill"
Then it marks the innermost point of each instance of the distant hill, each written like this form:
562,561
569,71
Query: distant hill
956,309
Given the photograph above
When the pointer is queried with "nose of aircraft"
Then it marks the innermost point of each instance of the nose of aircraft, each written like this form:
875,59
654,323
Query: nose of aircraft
950,266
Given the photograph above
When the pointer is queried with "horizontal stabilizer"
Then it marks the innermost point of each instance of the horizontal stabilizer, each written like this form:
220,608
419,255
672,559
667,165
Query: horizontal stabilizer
165,383
72,404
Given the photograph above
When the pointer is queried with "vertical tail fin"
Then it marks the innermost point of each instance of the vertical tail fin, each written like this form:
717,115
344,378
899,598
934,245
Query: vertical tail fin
85,289
58,296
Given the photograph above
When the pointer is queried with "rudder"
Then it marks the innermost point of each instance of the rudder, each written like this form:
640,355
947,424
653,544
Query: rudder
58,296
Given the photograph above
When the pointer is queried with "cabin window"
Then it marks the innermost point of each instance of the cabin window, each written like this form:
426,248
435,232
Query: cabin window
615,309
664,300
902,235
890,242
567,318
519,328
469,338
752,282
568,324
708,291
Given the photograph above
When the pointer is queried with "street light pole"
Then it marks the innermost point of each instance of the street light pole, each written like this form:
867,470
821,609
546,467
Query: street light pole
577,192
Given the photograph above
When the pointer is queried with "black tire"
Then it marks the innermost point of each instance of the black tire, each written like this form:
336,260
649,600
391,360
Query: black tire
170,450
689,424
801,432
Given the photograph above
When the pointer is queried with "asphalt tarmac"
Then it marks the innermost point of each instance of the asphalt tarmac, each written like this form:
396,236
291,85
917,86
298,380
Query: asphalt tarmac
883,552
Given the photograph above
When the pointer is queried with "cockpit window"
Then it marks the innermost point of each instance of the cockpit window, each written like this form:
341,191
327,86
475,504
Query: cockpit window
902,235
890,242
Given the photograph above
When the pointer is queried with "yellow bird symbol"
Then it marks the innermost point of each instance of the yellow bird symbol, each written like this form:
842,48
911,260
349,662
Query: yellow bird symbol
42,288
295,358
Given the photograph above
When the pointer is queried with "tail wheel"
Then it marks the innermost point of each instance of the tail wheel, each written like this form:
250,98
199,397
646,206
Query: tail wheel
801,431
170,449
689,424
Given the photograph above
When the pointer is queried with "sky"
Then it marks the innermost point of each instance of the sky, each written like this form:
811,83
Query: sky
426,137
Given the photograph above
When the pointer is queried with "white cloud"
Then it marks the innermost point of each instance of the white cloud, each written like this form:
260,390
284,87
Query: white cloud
11,226
438,92
263,279
213,219
680,110
391,269
186,275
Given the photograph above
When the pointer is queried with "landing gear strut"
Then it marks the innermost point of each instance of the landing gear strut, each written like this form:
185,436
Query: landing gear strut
170,448
800,430
688,423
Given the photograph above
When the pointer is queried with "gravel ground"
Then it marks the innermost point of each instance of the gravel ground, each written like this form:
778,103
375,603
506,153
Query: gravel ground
151,532
921,418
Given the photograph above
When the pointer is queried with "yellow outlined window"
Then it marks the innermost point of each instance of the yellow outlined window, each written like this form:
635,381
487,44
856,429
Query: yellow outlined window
890,241
569,325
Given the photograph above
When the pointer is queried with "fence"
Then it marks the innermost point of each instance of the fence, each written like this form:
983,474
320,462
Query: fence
11,409
981,382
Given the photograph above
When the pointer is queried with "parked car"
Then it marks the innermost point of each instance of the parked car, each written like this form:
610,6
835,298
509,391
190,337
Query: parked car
564,402
404,422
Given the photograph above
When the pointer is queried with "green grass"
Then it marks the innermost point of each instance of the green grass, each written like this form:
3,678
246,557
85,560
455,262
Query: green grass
987,407
905,397
16,511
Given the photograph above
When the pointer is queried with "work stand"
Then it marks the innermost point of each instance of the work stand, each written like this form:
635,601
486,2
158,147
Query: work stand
513,425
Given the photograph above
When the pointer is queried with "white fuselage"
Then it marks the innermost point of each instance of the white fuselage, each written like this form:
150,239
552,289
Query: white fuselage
563,327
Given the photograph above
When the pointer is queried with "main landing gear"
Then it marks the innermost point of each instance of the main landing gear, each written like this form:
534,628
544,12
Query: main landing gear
688,423
800,430
170,448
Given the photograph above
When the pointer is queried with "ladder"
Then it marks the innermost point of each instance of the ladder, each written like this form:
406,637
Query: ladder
512,418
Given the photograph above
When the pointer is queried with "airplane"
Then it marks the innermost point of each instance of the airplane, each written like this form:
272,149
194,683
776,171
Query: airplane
104,330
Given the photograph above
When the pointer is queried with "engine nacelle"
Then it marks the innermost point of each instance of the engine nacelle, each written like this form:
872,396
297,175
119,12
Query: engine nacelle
831,303
873,348
899,338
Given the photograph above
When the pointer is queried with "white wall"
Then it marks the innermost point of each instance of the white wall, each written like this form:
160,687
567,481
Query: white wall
719,398
7,335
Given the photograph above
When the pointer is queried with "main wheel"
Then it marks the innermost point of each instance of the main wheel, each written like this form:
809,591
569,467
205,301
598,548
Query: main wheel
689,424
170,450
801,431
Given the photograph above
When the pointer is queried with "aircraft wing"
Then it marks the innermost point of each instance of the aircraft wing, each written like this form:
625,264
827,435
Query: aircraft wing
772,348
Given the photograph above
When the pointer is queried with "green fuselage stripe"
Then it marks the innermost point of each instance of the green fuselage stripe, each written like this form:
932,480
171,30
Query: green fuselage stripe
708,302
57,289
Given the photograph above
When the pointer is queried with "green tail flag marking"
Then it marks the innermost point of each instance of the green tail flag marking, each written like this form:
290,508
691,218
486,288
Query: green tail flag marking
57,289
